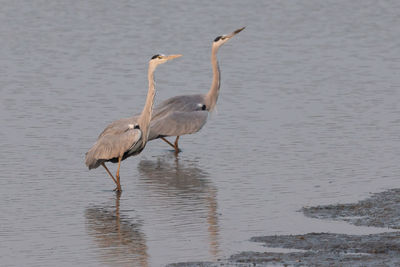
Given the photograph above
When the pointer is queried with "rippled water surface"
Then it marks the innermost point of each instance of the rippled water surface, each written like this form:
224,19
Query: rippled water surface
308,114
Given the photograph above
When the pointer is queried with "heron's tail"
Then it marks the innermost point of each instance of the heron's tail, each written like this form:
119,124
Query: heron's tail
91,161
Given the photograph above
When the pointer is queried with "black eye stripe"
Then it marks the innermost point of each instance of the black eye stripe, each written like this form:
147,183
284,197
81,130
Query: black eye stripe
155,56
217,39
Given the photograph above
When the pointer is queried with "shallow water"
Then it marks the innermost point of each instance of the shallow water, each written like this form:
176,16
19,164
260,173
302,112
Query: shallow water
308,114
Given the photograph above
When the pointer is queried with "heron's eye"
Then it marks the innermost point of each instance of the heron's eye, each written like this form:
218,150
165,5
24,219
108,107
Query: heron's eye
203,107
136,126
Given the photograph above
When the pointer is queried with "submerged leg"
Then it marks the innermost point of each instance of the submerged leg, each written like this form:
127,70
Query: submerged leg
176,145
109,173
168,142
118,188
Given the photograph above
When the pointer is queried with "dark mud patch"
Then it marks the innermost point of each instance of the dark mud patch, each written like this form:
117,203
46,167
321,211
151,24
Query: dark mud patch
194,264
379,210
330,249
326,249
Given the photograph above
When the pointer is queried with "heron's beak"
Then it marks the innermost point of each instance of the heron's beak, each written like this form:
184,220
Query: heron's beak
173,56
234,33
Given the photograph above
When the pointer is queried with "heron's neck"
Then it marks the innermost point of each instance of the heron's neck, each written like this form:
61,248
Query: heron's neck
212,95
145,117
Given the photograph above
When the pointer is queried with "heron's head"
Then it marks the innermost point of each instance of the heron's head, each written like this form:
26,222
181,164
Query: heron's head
160,59
220,40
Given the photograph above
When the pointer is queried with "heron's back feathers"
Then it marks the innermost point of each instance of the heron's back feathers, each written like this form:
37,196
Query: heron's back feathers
182,103
119,138
178,123
119,126
179,115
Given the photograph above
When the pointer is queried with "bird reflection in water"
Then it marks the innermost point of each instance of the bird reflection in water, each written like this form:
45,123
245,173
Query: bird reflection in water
189,189
121,240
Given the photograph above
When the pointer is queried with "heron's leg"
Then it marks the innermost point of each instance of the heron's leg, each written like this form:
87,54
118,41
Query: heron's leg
168,142
118,189
109,173
176,145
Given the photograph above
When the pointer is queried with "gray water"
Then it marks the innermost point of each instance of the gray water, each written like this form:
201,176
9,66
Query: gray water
308,114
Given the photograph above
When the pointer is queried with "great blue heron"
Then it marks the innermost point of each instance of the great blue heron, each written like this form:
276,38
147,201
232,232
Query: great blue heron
126,137
186,114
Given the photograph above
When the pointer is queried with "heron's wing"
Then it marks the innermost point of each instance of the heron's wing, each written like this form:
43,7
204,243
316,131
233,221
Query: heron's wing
113,144
119,126
178,123
183,103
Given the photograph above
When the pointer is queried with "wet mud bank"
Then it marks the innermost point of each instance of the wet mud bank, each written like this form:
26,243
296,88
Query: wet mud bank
379,210
325,249
330,249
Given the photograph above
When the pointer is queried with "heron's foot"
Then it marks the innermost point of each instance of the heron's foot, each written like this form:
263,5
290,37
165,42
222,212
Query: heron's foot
117,182
176,147
118,189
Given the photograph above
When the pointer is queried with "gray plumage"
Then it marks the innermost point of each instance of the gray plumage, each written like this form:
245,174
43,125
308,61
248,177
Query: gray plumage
126,137
178,116
120,138
187,114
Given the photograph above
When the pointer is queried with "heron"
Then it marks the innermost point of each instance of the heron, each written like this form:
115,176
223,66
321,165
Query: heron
187,114
126,137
